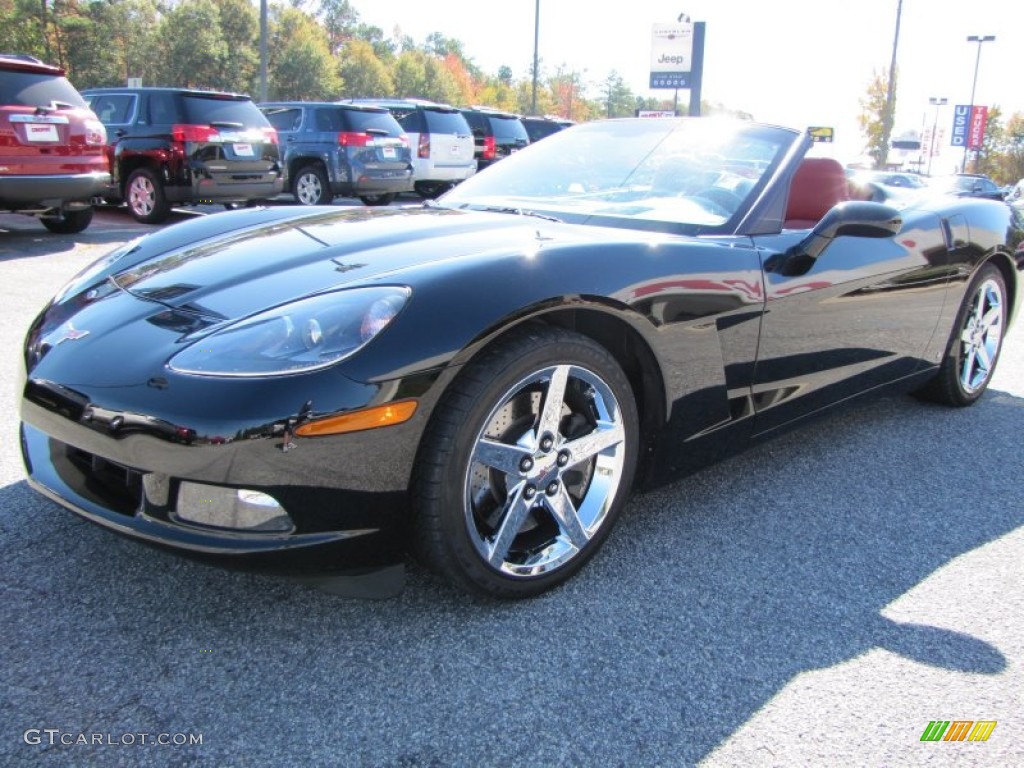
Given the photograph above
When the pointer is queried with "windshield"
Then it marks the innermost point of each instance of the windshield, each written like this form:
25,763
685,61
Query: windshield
699,172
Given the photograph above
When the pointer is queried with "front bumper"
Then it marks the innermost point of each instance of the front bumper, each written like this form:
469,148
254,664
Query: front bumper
345,496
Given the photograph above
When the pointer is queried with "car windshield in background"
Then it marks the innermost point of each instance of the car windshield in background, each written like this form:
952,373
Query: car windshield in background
378,121
445,121
31,89
700,173
222,109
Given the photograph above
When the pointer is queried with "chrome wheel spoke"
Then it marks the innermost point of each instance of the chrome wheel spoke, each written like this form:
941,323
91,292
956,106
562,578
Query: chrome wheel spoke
551,411
604,436
514,516
564,511
501,456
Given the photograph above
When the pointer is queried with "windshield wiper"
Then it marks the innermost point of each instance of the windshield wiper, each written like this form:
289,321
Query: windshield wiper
518,212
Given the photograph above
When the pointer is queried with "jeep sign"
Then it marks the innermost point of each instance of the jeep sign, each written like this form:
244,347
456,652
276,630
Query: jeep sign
671,55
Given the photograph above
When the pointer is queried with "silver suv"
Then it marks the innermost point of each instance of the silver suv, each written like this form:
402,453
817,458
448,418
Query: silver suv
442,146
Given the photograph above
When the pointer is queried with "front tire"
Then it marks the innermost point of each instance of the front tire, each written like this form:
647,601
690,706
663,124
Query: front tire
527,463
68,222
974,347
147,201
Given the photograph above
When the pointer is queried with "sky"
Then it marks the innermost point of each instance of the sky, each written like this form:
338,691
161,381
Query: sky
791,62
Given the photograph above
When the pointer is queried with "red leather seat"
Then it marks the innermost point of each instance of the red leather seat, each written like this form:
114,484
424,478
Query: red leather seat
819,184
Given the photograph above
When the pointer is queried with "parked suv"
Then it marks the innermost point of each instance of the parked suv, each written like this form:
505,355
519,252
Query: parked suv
181,146
341,149
440,141
496,134
52,159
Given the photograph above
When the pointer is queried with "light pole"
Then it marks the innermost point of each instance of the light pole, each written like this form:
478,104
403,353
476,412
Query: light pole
979,39
937,102
890,95
536,39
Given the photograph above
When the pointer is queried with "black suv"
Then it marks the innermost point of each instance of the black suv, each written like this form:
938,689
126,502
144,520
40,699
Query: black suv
496,134
341,149
176,145
52,159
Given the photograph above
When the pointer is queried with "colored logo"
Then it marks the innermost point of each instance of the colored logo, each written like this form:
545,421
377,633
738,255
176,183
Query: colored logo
958,730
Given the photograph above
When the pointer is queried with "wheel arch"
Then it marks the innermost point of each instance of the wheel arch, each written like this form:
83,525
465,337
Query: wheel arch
1004,262
621,338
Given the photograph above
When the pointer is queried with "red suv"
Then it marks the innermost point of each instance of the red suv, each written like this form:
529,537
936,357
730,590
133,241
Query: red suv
52,148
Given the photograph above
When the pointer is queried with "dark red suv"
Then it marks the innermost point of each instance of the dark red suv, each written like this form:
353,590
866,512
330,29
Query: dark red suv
52,147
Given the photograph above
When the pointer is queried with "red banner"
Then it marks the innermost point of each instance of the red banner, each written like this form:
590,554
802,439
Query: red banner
976,134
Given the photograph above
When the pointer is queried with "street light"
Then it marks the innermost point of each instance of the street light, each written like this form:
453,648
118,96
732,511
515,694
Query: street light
979,39
935,101
536,40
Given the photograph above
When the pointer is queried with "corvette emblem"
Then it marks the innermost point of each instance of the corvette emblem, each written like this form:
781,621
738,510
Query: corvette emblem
70,333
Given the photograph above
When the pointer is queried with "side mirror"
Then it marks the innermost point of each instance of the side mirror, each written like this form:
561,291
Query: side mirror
855,218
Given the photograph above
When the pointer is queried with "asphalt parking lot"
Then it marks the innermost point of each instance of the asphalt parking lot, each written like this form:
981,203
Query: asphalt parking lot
817,600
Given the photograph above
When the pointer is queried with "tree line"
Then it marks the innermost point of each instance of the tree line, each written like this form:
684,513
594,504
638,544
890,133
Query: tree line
317,50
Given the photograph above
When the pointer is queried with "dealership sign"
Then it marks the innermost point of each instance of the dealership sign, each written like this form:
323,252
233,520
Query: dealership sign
969,126
671,55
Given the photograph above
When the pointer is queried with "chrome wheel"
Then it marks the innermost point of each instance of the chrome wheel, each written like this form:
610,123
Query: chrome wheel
526,464
311,186
981,336
141,196
544,470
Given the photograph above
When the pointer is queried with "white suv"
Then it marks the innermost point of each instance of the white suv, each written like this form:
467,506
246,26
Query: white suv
440,140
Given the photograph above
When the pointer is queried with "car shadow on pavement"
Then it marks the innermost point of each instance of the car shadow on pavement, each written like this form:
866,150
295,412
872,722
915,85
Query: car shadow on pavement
710,597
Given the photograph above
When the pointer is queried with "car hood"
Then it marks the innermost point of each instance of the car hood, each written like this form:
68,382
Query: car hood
253,266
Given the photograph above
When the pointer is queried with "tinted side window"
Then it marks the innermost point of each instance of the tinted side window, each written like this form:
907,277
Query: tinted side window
439,121
30,89
411,120
160,109
329,120
284,119
114,108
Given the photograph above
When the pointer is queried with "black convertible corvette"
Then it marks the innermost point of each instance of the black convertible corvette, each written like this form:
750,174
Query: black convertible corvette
484,378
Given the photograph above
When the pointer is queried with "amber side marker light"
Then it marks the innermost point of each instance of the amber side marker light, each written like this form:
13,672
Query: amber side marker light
355,421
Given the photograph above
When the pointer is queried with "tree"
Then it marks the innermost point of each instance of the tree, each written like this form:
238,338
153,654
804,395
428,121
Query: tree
301,66
410,74
363,73
872,119
193,52
240,28
618,98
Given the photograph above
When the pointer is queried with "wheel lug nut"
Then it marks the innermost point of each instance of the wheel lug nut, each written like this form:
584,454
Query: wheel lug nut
552,488
526,464
563,458
547,443
529,492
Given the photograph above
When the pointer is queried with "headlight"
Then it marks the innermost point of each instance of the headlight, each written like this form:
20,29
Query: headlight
302,336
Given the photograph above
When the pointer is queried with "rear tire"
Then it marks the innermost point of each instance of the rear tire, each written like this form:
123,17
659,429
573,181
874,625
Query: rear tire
311,186
973,349
68,222
526,464
145,196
